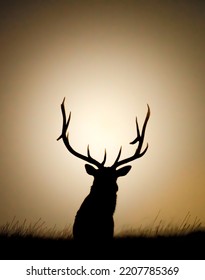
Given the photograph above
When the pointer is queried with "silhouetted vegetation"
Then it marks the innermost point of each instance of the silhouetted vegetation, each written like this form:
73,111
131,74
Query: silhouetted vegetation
22,241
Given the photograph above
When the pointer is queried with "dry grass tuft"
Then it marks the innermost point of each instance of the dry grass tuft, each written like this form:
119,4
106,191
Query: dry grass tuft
161,228
37,229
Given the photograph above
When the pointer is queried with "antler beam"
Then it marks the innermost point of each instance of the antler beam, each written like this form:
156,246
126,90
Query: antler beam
139,139
67,143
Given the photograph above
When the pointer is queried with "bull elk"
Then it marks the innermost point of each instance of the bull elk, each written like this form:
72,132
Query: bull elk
94,219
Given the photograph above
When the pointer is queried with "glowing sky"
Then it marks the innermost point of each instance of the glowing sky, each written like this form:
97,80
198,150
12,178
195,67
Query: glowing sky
109,59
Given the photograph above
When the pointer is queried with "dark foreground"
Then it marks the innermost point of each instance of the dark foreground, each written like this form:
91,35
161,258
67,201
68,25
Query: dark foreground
186,247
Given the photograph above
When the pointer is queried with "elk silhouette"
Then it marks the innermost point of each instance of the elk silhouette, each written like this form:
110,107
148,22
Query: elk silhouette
94,219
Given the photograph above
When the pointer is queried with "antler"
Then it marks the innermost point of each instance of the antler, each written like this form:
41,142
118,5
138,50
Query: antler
67,144
139,139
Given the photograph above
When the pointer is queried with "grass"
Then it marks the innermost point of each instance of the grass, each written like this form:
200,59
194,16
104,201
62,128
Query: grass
35,230
159,241
161,228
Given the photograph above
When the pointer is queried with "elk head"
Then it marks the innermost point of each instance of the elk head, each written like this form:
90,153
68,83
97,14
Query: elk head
94,218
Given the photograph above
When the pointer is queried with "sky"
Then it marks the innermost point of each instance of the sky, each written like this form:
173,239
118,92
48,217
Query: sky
109,59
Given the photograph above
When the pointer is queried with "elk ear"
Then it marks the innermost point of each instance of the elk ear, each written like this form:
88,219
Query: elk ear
123,171
90,169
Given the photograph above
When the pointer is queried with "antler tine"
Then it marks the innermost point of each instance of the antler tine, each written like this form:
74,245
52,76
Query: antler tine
65,123
89,156
138,133
118,156
104,159
88,151
140,139
67,143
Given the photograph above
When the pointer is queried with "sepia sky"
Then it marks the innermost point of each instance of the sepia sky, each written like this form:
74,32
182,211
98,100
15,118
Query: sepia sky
109,59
